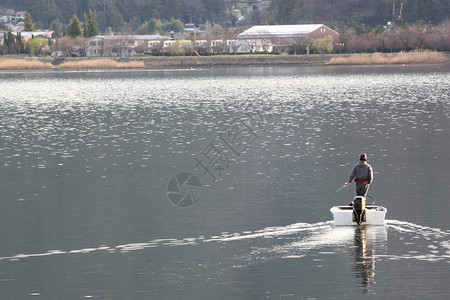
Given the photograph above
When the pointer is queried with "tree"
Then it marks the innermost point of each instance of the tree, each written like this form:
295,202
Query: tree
174,25
42,13
264,38
358,28
181,47
119,45
66,45
90,25
215,9
84,25
379,29
57,27
10,45
154,25
74,28
143,28
110,16
20,47
298,44
323,45
192,10
35,45
29,25
382,12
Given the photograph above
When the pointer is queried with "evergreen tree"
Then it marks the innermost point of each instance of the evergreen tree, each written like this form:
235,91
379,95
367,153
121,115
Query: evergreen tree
42,12
174,25
85,25
20,46
29,25
143,28
10,44
74,28
154,25
382,12
359,29
425,9
57,27
90,25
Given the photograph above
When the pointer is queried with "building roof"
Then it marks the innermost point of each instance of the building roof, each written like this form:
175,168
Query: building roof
280,30
133,37
34,33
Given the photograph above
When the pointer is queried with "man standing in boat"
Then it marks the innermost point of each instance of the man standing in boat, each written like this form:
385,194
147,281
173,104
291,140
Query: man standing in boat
362,173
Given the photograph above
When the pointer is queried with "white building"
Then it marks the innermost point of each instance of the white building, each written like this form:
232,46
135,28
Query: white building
26,35
266,38
124,45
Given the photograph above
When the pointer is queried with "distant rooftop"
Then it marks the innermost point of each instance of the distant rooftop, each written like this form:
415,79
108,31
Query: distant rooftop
34,33
134,37
281,30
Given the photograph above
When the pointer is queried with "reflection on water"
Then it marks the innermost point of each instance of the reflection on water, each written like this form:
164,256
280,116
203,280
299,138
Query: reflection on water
366,240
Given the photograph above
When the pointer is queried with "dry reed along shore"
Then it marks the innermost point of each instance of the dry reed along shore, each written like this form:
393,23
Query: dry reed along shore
414,57
159,62
101,63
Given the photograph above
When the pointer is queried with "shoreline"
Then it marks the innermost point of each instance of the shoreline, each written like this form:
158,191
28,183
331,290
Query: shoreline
25,63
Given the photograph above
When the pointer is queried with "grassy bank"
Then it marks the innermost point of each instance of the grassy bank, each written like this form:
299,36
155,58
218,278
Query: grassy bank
415,57
157,62
231,60
184,62
101,64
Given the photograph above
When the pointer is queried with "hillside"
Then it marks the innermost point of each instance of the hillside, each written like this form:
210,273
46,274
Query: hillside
115,13
351,12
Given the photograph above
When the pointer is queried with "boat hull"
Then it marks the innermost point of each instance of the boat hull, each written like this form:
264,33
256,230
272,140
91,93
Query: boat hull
343,215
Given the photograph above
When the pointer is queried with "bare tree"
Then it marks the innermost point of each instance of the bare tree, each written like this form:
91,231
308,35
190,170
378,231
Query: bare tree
299,44
265,39
234,45
119,45
142,47
67,46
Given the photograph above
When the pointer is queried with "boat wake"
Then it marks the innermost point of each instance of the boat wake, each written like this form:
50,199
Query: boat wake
411,241
415,242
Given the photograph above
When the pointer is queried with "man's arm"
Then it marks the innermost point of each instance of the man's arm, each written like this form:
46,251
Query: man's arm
351,177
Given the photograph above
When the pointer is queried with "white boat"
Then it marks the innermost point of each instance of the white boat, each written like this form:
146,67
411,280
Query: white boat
358,213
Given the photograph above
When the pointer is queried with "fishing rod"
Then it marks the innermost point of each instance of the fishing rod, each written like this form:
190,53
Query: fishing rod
367,196
336,191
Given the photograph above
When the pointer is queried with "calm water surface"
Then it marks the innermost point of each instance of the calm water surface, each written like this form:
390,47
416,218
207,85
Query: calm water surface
93,169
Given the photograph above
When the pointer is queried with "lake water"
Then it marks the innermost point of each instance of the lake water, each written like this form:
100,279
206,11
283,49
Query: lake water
216,184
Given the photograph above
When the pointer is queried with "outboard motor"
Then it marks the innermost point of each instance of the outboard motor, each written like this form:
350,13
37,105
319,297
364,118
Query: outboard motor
359,209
